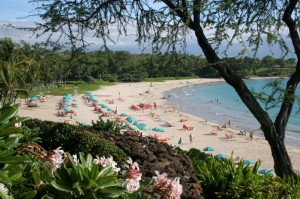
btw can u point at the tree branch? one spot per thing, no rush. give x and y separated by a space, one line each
291 24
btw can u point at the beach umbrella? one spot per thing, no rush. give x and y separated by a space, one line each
103 105
220 156
180 141
83 124
123 115
154 129
110 110
208 148
266 171
161 130
34 98
248 162
67 109
130 119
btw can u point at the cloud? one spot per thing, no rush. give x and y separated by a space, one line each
128 43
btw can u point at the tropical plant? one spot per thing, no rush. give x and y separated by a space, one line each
75 139
225 178
83 179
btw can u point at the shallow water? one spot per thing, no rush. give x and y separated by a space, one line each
219 103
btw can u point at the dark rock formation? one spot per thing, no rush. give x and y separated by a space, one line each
152 155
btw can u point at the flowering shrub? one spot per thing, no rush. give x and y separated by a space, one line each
55 158
132 176
103 173
166 187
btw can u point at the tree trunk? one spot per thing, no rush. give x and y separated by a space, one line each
282 163
274 136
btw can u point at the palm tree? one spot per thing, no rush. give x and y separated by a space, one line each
10 79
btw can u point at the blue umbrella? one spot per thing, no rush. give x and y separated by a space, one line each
208 148
220 156
130 119
248 162
103 105
266 171
34 98
155 129
67 109
123 115
109 109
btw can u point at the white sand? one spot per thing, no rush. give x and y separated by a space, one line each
135 93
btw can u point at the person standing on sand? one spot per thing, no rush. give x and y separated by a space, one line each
191 138
251 135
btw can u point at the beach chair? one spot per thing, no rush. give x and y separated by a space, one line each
189 128
214 133
229 136
168 124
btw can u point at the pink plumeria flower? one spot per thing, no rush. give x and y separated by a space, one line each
176 190
133 171
132 176
55 158
165 187
131 185
104 162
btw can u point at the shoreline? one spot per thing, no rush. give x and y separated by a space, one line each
143 92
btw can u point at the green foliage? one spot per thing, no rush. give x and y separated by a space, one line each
275 96
225 178
108 126
74 139
85 180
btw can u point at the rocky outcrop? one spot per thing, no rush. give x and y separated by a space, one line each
152 155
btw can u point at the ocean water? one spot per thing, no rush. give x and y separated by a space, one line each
219 103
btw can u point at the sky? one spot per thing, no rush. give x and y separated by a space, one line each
15 12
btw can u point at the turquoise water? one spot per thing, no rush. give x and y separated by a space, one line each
219 103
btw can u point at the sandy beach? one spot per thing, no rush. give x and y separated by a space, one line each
205 133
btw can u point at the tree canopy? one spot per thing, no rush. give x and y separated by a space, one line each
171 22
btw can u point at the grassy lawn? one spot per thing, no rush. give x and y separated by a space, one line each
162 79
82 87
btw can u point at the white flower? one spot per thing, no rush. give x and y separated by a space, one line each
131 185
176 189
4 189
166 187
55 158
104 162
75 158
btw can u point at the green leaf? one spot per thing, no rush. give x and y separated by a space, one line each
7 113
106 182
16 176
4 178
15 160
9 131
112 192
6 153
29 194
106 171
61 187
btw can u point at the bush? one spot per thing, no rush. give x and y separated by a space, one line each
109 126
75 139
225 178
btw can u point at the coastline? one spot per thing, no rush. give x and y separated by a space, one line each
142 92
